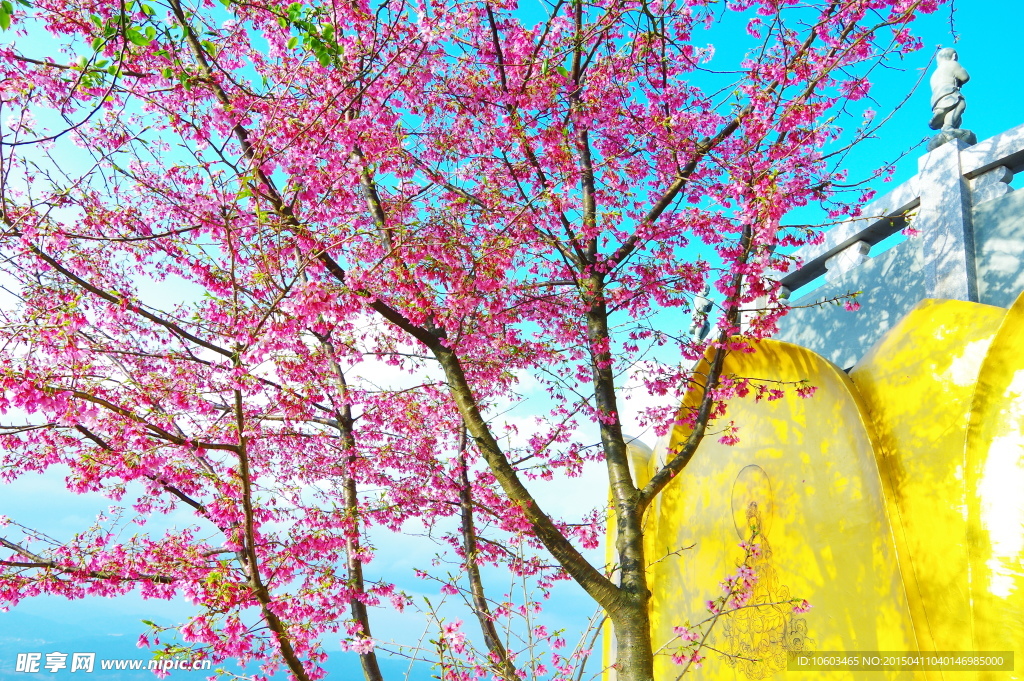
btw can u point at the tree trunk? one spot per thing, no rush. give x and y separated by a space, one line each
634 656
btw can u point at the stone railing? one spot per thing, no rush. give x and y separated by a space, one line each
970 246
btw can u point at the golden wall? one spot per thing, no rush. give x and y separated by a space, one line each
892 500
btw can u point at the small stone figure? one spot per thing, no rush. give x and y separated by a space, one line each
948 102
700 327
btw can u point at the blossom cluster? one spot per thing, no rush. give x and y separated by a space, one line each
280 275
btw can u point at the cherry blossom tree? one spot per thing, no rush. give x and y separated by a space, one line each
281 268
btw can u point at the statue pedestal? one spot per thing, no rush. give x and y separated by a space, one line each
947 134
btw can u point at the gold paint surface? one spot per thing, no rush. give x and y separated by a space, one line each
804 471
893 502
918 382
995 495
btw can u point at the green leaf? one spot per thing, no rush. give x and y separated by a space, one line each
323 58
150 33
562 71
166 72
97 43
5 19
136 37
292 42
148 10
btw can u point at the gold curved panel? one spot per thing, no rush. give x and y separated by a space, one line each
995 496
917 383
804 470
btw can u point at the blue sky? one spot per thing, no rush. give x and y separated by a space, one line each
985 32
995 98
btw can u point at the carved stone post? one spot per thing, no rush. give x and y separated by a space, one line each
946 227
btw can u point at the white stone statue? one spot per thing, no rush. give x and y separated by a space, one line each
948 103
702 304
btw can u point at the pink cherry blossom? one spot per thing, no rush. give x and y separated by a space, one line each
287 276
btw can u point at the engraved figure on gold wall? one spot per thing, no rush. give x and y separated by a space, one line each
759 637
